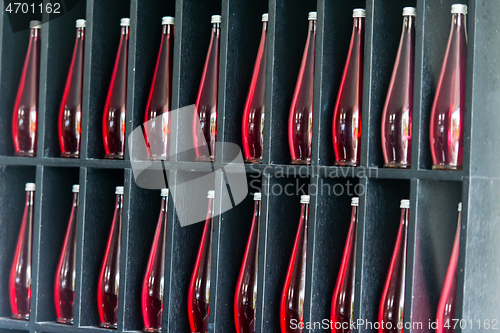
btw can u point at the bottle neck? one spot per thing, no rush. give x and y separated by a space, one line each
359 23
119 201
124 30
35 32
458 20
354 213
30 198
405 213
164 204
264 26
312 26
75 198
80 33
167 29
408 22
256 208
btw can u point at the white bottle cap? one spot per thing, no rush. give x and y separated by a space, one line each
211 194
167 20
35 24
265 17
216 19
164 192
81 23
125 22
76 188
30 187
257 196
460 207
355 201
409 11
312 16
458 9
405 203
358 12
119 190
304 199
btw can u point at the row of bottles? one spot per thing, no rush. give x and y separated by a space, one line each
446 123
291 309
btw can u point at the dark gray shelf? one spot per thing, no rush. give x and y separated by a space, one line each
433 194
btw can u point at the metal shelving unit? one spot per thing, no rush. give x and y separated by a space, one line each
434 194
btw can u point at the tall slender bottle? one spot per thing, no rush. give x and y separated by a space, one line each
392 303
205 112
398 107
157 116
199 287
20 271
301 110
109 278
343 294
152 286
25 114
347 114
292 297
448 301
245 297
446 132
252 128
70 112
113 120
64 284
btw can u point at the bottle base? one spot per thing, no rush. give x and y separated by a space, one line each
253 160
113 156
25 153
108 325
301 162
158 157
397 166
21 317
447 167
66 321
204 159
152 329
346 164
70 155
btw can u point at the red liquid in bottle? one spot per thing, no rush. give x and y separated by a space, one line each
343 295
152 286
245 297
301 110
113 121
392 303
20 272
157 116
292 297
252 127
199 287
64 284
109 278
446 132
70 113
448 301
25 114
347 115
398 107
205 112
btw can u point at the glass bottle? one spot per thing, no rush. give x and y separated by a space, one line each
199 287
446 132
157 116
245 297
347 114
343 294
152 286
70 112
392 302
113 120
25 114
20 271
64 284
252 128
398 107
301 110
292 297
109 277
205 112
448 300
